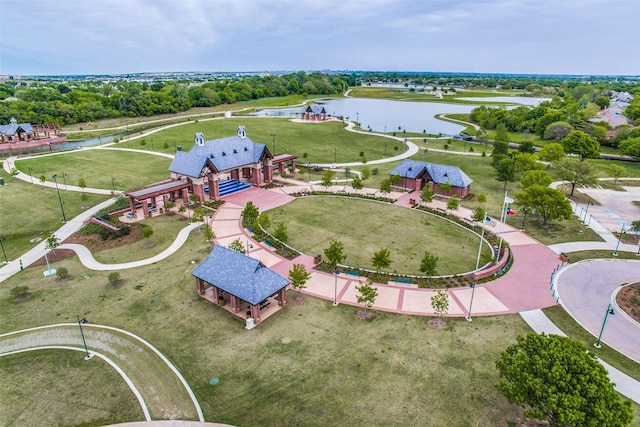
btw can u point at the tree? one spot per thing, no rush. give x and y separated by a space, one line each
385 186
82 184
502 135
298 277
238 246
500 151
395 179
602 102
635 226
281 232
616 171
334 254
551 152
440 303
381 259
482 198
356 183
114 279
198 214
630 147
445 187
535 177
525 162
506 171
453 204
52 242
366 295
249 214
558 380
427 194
545 201
62 273
527 147
147 232
428 265
575 172
479 215
208 233
43 179
580 143
366 173
327 177
557 130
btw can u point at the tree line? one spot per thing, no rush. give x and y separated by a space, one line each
83 101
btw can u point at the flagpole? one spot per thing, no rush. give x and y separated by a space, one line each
503 218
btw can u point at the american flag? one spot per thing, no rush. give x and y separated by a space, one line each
489 221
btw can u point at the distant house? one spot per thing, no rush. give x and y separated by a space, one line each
613 116
313 112
25 132
415 175
241 284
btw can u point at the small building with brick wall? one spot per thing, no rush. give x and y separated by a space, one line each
415 175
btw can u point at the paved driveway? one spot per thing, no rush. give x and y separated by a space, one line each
586 288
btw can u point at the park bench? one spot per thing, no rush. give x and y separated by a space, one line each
404 280
353 272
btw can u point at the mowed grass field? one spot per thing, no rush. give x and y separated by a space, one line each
29 211
130 170
318 139
310 364
365 227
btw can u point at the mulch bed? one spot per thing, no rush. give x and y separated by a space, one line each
628 299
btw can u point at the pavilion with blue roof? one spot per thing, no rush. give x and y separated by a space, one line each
223 166
415 175
244 283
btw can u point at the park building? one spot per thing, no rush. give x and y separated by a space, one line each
415 175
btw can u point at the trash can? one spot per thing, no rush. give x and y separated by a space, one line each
1 181
564 257
179 148
317 259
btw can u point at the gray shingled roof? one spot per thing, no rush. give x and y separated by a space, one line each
240 275
438 173
225 153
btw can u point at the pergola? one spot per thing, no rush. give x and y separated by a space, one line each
169 190
241 284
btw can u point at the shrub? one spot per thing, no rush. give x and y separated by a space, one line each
114 278
62 273
375 171
446 146
143 142
166 145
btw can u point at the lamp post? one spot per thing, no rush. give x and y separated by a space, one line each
473 284
84 343
273 143
503 218
586 211
385 144
113 184
604 322
358 120
615 253
2 239
55 178
335 287
30 173
334 156
64 179
249 246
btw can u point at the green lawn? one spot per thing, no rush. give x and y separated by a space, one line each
61 388
97 167
364 227
165 229
318 140
310 364
404 94
582 255
29 212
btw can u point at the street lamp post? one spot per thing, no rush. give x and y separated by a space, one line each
64 179
615 253
604 322
334 156
273 143
385 144
587 211
335 288
2 239
113 184
358 120
473 284
84 342
503 218
249 246
30 174
55 178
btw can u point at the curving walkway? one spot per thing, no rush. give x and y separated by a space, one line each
161 390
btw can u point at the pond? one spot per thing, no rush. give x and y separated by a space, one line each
393 116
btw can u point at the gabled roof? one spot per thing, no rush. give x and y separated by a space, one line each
240 275
225 153
438 173
13 128
315 109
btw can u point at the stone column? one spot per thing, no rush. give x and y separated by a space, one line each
282 297
255 313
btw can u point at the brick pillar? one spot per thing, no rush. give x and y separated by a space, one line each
185 195
268 171
200 286
198 190
214 190
282 297
132 204
255 313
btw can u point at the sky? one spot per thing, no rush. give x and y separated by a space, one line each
53 37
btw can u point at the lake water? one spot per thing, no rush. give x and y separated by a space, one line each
391 116
523 100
